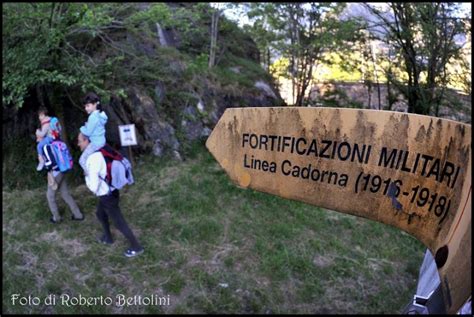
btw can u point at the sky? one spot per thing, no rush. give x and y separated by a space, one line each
354 8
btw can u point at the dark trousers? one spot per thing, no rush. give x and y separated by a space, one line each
109 207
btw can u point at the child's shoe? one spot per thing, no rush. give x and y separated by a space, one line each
40 166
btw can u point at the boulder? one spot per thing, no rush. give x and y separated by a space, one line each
191 123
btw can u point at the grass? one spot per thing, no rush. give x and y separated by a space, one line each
209 245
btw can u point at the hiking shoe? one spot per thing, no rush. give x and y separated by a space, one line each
131 253
52 220
105 240
40 166
78 219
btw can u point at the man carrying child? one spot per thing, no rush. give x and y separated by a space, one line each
56 179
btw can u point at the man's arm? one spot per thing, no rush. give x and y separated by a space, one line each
94 165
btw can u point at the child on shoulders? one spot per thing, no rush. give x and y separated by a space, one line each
94 128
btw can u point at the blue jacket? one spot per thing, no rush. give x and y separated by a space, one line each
95 127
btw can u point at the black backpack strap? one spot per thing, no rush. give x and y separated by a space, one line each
109 185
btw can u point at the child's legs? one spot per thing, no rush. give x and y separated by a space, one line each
41 144
88 151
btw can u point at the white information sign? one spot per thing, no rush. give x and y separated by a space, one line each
127 135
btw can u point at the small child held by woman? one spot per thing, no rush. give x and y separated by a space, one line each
43 135
94 128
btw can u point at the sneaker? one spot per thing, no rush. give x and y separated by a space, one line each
78 219
104 240
53 220
131 253
40 166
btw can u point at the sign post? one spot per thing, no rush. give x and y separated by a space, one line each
128 138
409 171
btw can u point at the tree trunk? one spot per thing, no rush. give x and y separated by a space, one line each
378 94
414 101
369 91
376 76
293 81
294 53
304 80
419 101
410 90
214 25
268 59
40 95
378 86
390 100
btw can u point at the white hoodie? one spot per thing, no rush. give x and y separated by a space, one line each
96 172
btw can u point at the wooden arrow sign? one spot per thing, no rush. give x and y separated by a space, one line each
409 171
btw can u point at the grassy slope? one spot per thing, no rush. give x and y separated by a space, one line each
210 246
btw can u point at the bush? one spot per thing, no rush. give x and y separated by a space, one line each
20 159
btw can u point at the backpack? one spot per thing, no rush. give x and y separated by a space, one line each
55 128
119 169
49 158
57 157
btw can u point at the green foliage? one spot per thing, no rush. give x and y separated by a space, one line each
80 47
301 33
424 39
198 65
19 165
191 22
56 45
19 161
157 12
232 41
231 80
93 17
240 71
38 50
